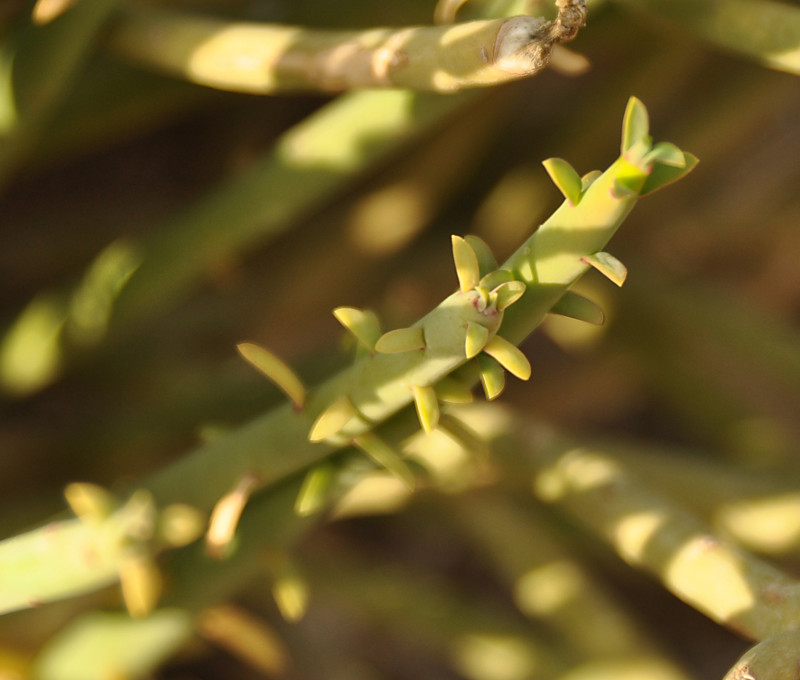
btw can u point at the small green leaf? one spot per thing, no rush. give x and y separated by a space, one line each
363 324
609 266
276 370
467 268
427 407
90 502
667 174
289 589
667 154
635 124
385 456
315 491
507 294
486 260
509 356
225 517
453 391
578 307
141 584
588 179
496 278
565 178
493 377
477 337
401 340
332 419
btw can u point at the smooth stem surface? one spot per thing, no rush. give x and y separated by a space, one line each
277 444
727 584
271 58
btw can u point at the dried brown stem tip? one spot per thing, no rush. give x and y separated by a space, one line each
524 44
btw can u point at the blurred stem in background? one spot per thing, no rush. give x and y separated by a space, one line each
119 369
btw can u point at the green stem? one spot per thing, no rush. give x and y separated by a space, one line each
271 58
132 281
727 584
379 385
776 658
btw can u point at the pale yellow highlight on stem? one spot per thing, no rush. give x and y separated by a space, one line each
788 61
704 571
44 11
630 668
240 55
577 473
389 218
769 524
317 148
495 657
633 533
376 493
548 588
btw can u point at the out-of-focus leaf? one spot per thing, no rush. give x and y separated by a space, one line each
766 31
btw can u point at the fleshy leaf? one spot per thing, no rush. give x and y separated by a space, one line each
667 154
565 178
332 419
385 456
609 266
315 490
509 356
486 261
476 339
635 124
667 174
493 377
467 268
427 407
507 294
275 369
90 502
289 589
401 340
141 584
588 179
578 307
496 278
363 324
225 516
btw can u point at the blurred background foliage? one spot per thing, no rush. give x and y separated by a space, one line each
112 172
